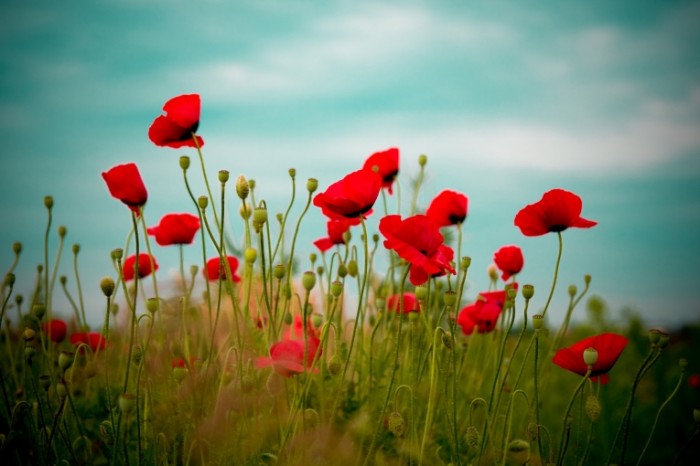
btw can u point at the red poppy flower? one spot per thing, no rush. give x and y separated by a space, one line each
350 197
145 268
556 211
417 240
177 127
409 303
93 339
694 381
609 347
336 232
216 270
296 330
124 183
175 229
483 313
387 163
448 208
56 330
509 260
287 356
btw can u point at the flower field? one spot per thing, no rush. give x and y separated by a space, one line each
367 352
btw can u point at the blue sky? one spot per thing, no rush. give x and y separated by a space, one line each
508 100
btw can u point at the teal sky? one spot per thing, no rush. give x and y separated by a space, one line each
507 99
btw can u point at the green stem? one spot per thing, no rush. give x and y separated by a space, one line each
564 426
556 274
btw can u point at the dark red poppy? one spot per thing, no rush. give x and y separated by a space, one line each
387 163
556 211
336 233
56 330
145 267
124 183
609 347
509 260
694 381
287 356
483 313
94 340
409 303
351 197
216 270
448 208
417 240
175 229
177 127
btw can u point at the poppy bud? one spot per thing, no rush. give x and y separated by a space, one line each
184 162
203 202
107 286
126 402
590 356
572 290
447 340
242 187
317 320
518 451
65 359
311 185
48 202
319 270
245 211
465 262
422 160
250 256
288 319
194 269
19 299
352 268
223 176
528 291
654 336
493 272
587 279
251 184
39 310
279 271
342 271
336 288
29 334
292 172
449 297
179 373
334 365
511 292
313 257
9 279
61 389
396 424
62 230
76 248
260 215
152 305
117 254
308 280
17 247
473 438
592 407
63 279
279 217
380 303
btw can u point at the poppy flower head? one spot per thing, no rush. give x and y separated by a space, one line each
56 330
124 183
555 212
694 381
296 330
177 127
387 163
482 315
94 340
287 356
351 197
448 208
409 303
509 260
336 233
175 229
216 270
418 241
609 347
145 266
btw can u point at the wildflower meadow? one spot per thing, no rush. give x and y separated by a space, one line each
367 352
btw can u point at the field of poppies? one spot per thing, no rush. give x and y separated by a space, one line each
366 352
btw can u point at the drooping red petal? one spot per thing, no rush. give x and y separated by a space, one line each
448 208
125 184
387 164
216 270
175 229
555 212
352 196
145 267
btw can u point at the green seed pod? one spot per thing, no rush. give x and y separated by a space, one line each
292 172
590 356
223 176
179 373
336 288
317 320
422 160
117 254
421 292
528 291
75 248
152 305
396 424
242 187
250 255
308 280
537 321
342 271
48 202
572 290
62 230
107 286
587 279
473 438
465 262
592 407
260 215
203 202
61 389
184 162
352 268
65 359
334 365
45 381
518 451
17 247
39 310
279 271
29 352
311 185
29 334
9 279
450 297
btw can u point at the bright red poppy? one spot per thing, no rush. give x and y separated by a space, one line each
417 240
351 197
145 267
509 260
287 356
448 208
387 163
175 229
609 347
482 315
177 127
295 331
336 233
124 183
56 330
94 340
216 270
409 303
556 211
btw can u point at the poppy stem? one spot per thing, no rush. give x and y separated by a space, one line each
431 394
565 428
76 249
556 274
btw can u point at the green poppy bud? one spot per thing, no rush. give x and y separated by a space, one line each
203 202
184 162
48 202
279 271
223 176
528 291
250 255
107 286
17 247
242 187
422 160
590 356
311 185
308 280
152 305
336 288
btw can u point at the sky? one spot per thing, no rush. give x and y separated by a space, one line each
507 100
